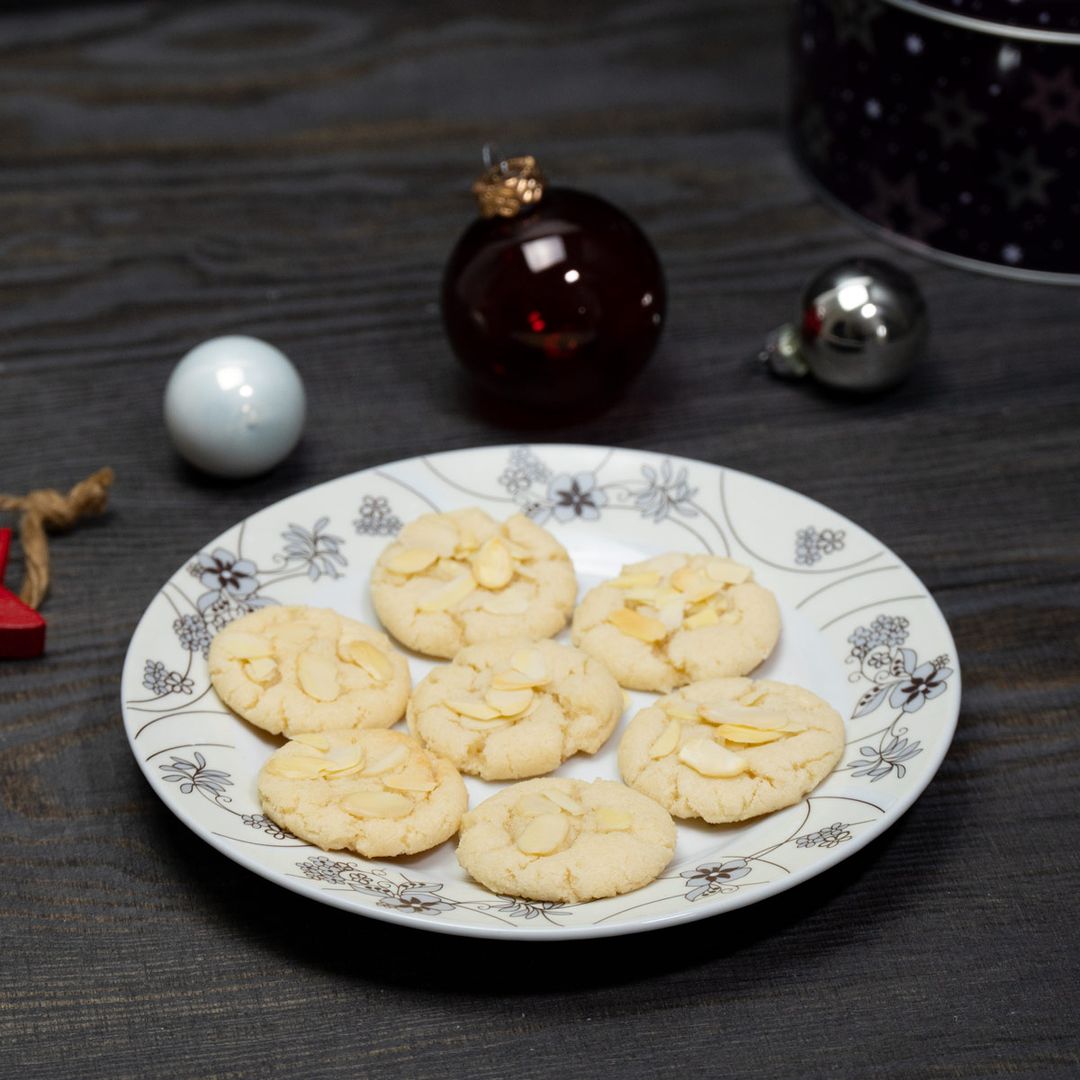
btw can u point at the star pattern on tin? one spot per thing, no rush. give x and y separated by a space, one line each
1022 178
1056 100
897 207
954 119
853 20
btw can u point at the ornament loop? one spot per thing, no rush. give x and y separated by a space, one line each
509 186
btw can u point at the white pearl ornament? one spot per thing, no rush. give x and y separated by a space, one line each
234 406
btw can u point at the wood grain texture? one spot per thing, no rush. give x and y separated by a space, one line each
299 171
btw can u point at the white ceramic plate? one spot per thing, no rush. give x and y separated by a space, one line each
859 629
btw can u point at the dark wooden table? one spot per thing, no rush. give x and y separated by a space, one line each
298 171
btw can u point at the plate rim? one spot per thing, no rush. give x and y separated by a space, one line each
305 887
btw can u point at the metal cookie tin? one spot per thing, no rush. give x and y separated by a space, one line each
952 126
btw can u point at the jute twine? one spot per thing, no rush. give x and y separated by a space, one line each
50 510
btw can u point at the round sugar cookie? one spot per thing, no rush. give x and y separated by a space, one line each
676 619
504 710
375 792
566 840
455 579
731 749
295 669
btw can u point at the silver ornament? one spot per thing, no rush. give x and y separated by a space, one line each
862 326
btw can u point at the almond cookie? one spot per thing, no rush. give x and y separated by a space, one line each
504 710
676 619
295 669
566 840
455 579
730 749
374 792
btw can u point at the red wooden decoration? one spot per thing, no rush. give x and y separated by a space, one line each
22 629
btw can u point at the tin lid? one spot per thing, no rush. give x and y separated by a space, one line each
1045 20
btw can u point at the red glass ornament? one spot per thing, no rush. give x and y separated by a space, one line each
560 304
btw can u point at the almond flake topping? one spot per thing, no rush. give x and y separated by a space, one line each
637 625
712 760
667 742
492 565
367 657
446 596
543 834
317 676
612 819
377 804
412 561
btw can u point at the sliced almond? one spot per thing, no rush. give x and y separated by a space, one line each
711 759
543 834
377 804
238 645
312 739
509 702
706 617
694 586
367 657
468 541
612 819
392 759
263 671
565 802
412 561
446 596
683 710
643 594
732 617
667 742
752 697
671 614
483 726
531 662
296 766
531 805
635 580
492 565
317 676
418 777
504 604
438 534
730 712
345 762
637 625
727 571
747 736
475 710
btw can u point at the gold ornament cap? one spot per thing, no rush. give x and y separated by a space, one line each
509 187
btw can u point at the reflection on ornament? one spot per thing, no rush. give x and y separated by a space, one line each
554 297
862 326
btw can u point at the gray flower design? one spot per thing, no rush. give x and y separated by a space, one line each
195 776
264 824
886 630
714 878
162 682
827 837
530 909
421 899
230 579
523 469
879 761
665 491
924 683
317 550
376 517
811 545
575 496
193 633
